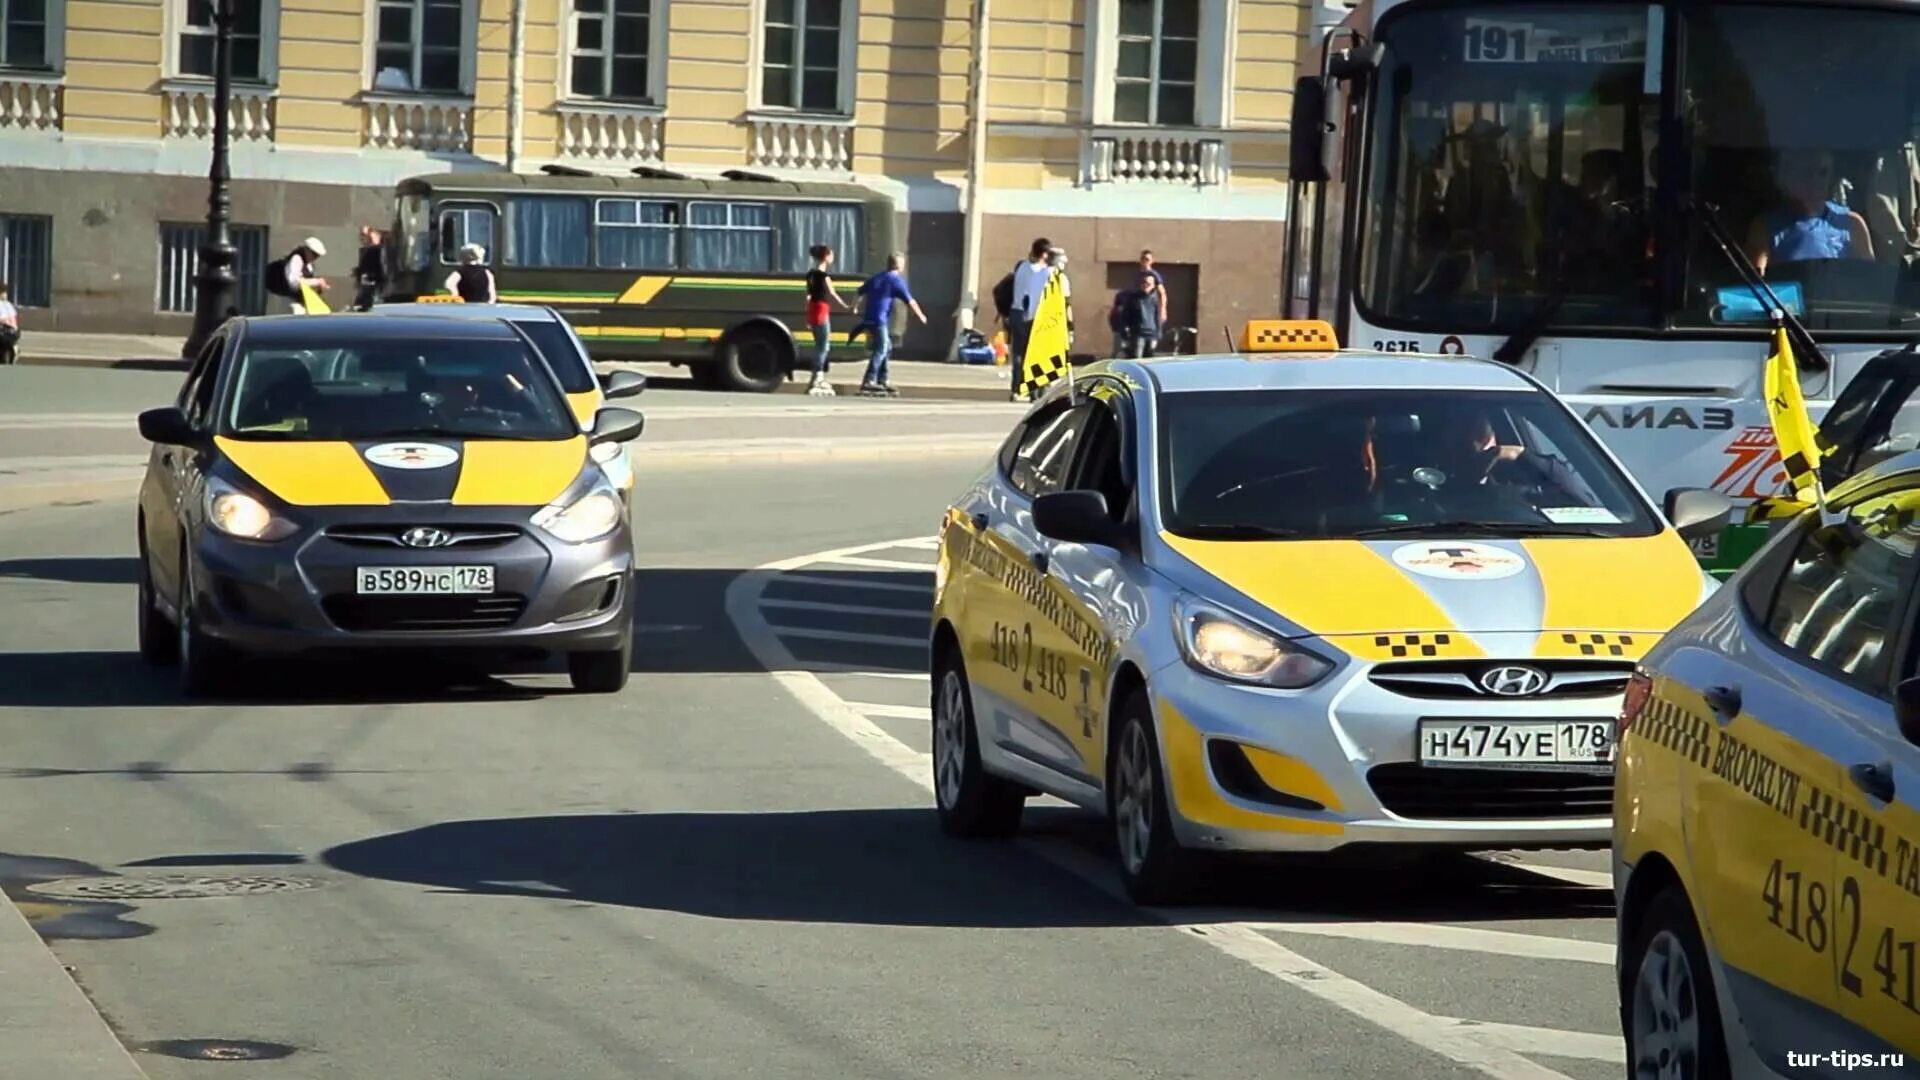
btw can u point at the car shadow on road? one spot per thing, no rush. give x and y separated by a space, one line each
887 867
78 570
104 679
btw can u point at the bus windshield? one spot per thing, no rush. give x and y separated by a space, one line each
1516 164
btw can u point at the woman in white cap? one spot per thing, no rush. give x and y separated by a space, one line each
471 281
295 270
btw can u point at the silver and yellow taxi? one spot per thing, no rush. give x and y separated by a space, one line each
1767 850
1295 601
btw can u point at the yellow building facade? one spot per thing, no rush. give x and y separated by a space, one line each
1109 126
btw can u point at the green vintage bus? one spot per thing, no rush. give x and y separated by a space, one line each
710 274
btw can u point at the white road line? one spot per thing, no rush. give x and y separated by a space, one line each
847 609
883 564
1443 936
1572 875
851 637
1456 1040
1523 1039
828 667
925 543
855 583
891 712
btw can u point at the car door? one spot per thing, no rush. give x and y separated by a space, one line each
1103 587
170 470
1777 820
1015 647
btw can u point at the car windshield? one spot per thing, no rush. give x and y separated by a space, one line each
456 388
563 356
1517 168
1351 463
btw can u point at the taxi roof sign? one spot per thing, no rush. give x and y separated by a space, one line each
1288 335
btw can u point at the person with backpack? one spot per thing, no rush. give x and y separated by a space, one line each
284 276
471 281
1029 281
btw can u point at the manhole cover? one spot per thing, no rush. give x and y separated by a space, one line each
169 887
219 1049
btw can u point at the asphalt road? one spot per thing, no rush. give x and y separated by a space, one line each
722 872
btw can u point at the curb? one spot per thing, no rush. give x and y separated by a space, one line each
149 364
48 1026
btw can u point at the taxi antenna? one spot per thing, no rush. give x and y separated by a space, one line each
1227 332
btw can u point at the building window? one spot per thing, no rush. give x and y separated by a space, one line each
196 40
612 43
180 262
1159 47
630 234
26 258
417 46
729 236
800 64
26 39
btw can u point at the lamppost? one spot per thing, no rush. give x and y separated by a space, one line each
214 282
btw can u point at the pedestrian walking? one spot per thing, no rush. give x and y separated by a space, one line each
1029 281
880 292
1159 281
285 276
471 281
370 275
821 293
9 326
1136 317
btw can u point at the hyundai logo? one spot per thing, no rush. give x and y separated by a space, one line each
426 537
1513 681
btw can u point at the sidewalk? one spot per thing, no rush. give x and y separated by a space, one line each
914 378
48 1028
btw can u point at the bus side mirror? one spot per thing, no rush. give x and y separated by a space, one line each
1353 63
1308 134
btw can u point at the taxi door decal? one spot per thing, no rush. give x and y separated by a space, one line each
1876 950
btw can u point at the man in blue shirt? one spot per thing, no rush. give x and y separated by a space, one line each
880 291
1136 317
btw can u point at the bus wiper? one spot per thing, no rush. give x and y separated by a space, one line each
1806 349
1235 531
1511 350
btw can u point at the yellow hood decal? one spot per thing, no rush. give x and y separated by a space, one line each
1327 586
1586 582
508 473
584 405
307 473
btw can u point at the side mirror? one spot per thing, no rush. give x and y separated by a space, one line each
1308 132
622 384
168 427
1698 512
616 426
1353 63
1075 517
1906 709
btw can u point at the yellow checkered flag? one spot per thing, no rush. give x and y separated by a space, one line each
1046 359
1793 428
310 301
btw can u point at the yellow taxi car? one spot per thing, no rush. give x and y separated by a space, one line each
1767 846
1299 601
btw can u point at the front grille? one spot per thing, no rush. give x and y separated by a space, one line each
1458 679
462 536
372 613
1411 790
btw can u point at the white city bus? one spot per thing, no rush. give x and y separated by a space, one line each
1543 183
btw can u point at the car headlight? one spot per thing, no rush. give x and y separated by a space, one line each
1225 646
589 517
240 515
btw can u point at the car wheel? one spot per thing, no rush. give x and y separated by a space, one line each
1669 1010
1155 869
972 802
158 646
203 662
603 672
755 361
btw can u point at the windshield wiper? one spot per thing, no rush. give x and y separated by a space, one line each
1228 531
1808 351
1513 529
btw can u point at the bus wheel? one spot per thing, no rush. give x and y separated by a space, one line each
754 360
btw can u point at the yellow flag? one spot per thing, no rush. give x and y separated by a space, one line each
1046 357
1793 428
310 300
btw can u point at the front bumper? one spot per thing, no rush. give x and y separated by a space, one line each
1261 770
299 594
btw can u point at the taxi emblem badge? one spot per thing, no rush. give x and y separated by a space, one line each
426 537
412 455
1514 680
1459 561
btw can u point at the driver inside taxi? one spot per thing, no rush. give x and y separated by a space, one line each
1471 453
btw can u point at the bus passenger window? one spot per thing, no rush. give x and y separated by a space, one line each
547 230
802 225
729 236
631 234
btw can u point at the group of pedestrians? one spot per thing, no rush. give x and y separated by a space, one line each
878 295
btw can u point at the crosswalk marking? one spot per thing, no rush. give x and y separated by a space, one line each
893 712
845 609
851 637
1443 936
844 583
883 564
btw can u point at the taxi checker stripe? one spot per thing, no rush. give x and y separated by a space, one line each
1845 829
1798 467
1291 335
1676 729
1410 642
1615 644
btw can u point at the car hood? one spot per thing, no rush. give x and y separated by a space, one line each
376 472
1554 588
